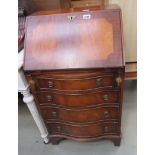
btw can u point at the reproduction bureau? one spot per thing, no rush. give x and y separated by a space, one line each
75 67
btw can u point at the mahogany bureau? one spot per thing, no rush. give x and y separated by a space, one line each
75 67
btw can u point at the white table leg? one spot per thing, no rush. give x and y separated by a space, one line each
29 100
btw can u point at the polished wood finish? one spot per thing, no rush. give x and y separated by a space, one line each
84 131
79 99
80 115
73 46
77 78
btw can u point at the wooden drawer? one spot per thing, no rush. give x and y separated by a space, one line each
74 81
80 115
88 130
79 100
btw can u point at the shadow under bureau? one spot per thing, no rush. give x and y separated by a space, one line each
75 67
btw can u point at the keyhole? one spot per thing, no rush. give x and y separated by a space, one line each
71 17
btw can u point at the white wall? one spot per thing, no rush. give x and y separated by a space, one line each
129 12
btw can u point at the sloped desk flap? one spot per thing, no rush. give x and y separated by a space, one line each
74 40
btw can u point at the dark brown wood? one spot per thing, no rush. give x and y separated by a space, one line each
80 115
65 4
56 140
85 114
79 101
75 81
32 6
84 131
116 141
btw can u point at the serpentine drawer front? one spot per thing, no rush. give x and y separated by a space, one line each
75 69
80 115
79 99
76 81
84 131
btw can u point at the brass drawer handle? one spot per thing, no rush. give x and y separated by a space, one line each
98 81
50 84
49 98
71 17
105 97
106 129
54 114
106 114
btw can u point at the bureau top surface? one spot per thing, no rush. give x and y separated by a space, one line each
74 40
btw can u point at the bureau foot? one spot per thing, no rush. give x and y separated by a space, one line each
116 141
56 140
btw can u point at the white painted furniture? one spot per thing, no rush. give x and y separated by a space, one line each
23 87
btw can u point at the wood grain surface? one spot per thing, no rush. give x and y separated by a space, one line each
56 42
